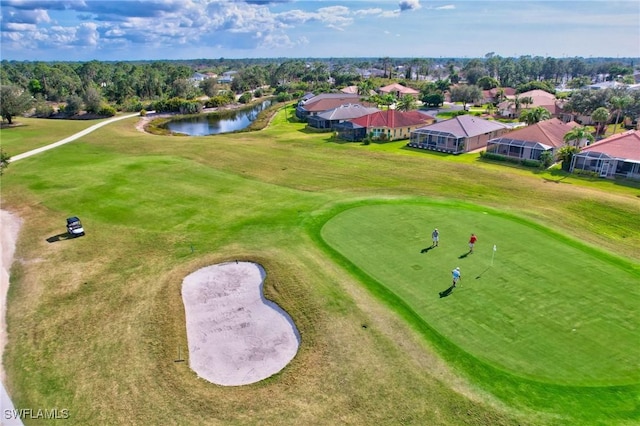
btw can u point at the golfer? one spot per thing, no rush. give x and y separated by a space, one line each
456 276
472 242
435 236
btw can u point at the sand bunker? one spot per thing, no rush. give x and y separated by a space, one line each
235 335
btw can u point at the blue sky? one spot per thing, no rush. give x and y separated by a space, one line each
82 30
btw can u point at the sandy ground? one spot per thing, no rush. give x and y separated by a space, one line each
9 228
235 335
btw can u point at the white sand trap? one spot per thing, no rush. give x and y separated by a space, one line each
235 335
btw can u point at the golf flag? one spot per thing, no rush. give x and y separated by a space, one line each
495 248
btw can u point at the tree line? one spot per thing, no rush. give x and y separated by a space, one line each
103 87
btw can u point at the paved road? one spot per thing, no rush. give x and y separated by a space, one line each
70 138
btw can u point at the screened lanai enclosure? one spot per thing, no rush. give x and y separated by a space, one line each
514 148
605 165
436 141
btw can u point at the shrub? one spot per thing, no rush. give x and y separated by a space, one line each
530 163
44 110
283 97
245 98
107 110
143 112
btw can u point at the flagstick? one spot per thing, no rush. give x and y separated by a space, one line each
493 254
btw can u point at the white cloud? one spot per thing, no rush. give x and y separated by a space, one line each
373 11
445 7
87 34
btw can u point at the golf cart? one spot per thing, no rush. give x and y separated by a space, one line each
74 227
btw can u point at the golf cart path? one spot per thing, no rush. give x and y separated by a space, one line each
70 138
8 238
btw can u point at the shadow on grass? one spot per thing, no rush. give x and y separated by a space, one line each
462 256
60 237
426 249
482 273
446 292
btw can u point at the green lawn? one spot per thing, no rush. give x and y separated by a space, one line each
554 320
95 323
32 133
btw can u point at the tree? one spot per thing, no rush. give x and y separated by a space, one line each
600 116
92 100
365 87
466 95
619 103
578 136
385 63
14 101
565 154
73 105
209 86
535 115
526 101
579 82
4 161
433 99
406 103
487 83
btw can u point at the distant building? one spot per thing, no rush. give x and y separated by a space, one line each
616 156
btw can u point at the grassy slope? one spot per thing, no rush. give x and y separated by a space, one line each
30 133
96 322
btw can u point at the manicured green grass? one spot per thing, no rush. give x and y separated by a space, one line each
95 323
31 133
554 320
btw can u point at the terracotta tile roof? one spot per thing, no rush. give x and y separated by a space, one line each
548 132
350 89
465 126
621 145
395 87
392 118
540 99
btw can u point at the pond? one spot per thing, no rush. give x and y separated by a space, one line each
212 124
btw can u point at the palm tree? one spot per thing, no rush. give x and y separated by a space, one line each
406 103
619 103
600 116
516 102
365 87
578 135
526 101
535 115
385 63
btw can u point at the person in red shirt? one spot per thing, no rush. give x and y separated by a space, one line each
472 242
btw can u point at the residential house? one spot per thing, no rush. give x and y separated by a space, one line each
328 119
528 143
508 108
354 90
615 156
398 90
389 125
492 96
460 134
325 102
227 77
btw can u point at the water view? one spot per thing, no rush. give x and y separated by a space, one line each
211 124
